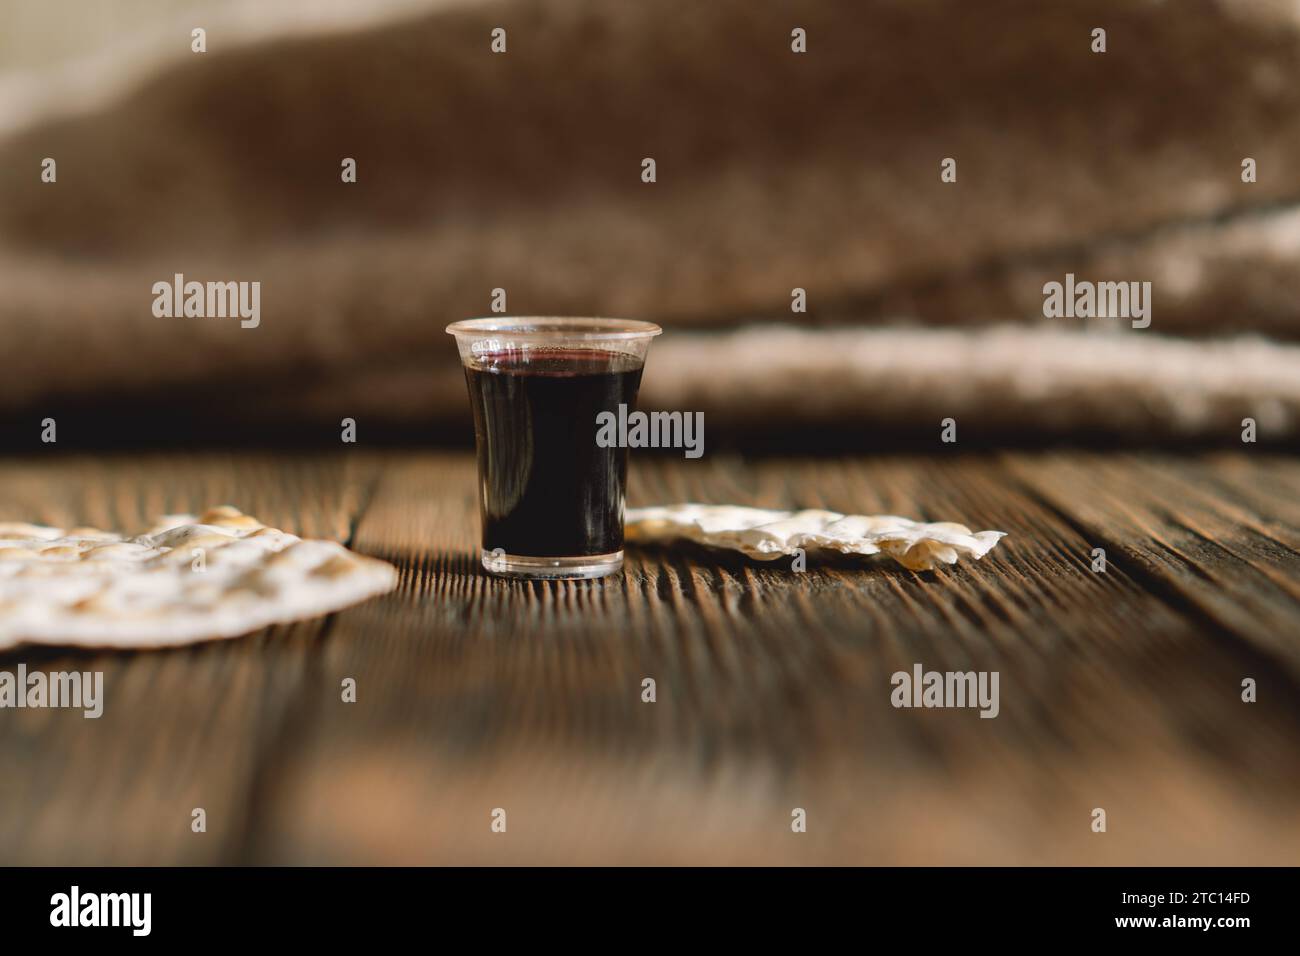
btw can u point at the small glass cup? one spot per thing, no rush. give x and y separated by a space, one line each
550 495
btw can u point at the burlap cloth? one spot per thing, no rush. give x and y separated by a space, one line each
775 170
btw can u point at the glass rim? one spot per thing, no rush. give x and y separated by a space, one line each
543 328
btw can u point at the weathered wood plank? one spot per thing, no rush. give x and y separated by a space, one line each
772 687
1233 557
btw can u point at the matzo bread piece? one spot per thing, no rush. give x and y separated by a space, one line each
767 535
93 588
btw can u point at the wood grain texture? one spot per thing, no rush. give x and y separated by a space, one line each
1118 690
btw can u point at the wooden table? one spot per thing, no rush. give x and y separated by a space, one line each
1119 690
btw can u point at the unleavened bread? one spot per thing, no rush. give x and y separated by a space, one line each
768 535
188 578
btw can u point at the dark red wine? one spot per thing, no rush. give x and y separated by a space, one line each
546 489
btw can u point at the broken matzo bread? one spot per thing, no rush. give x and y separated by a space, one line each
767 535
188 578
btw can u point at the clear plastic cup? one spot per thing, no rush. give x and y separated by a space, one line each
550 496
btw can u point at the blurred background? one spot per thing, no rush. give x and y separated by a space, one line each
776 171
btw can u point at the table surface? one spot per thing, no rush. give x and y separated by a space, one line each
1119 690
